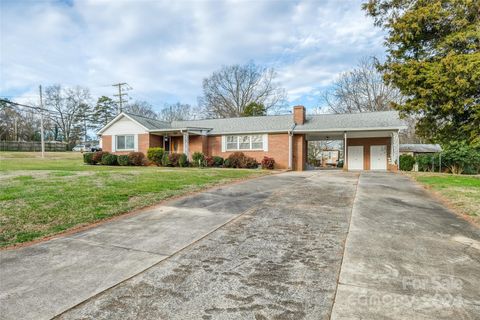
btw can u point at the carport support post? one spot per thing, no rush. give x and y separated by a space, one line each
290 150
185 143
345 150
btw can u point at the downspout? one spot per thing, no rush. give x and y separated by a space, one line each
290 147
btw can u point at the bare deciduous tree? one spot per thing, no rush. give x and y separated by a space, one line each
141 108
176 111
362 90
69 106
228 91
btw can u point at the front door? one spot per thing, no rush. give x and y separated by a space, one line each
378 157
355 158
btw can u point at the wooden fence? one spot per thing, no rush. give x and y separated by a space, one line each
32 146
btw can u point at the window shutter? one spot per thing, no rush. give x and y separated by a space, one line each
224 143
265 142
135 142
114 143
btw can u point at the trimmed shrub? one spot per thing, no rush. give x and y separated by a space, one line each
183 160
215 161
406 162
123 160
249 163
155 155
97 156
109 159
88 158
234 160
209 162
136 158
425 162
198 159
268 163
218 161
166 160
240 160
174 158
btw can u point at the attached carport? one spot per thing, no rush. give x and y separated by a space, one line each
370 140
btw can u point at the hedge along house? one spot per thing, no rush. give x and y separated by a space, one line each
370 139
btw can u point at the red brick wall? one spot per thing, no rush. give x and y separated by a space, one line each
299 152
156 141
366 143
299 114
277 149
107 143
143 143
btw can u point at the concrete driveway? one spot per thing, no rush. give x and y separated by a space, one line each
269 248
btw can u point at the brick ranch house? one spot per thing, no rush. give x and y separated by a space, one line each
370 140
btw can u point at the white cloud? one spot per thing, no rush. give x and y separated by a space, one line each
164 49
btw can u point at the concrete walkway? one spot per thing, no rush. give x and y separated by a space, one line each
45 279
407 256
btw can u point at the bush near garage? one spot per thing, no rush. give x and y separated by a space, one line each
268 163
136 158
123 160
109 159
97 156
406 162
461 157
155 155
88 158
425 162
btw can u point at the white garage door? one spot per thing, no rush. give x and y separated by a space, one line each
355 158
378 157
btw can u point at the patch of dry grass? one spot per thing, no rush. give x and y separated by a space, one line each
462 192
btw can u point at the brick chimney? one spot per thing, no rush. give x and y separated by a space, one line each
299 114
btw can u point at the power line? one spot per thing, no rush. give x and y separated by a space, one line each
121 94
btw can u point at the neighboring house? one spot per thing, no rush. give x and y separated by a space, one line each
416 148
371 138
329 157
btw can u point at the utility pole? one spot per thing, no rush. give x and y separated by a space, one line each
121 94
41 122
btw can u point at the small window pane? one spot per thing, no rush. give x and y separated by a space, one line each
244 143
120 142
232 139
129 142
257 142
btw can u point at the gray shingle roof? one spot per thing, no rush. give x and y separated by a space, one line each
149 123
352 121
420 148
282 123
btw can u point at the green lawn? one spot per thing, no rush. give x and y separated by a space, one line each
462 191
40 197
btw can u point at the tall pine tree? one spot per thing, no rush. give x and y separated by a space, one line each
433 49
104 111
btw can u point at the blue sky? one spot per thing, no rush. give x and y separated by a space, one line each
164 49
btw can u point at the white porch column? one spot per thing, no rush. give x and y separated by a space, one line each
345 150
185 144
395 149
290 150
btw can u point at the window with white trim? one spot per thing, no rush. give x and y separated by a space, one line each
247 142
125 142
